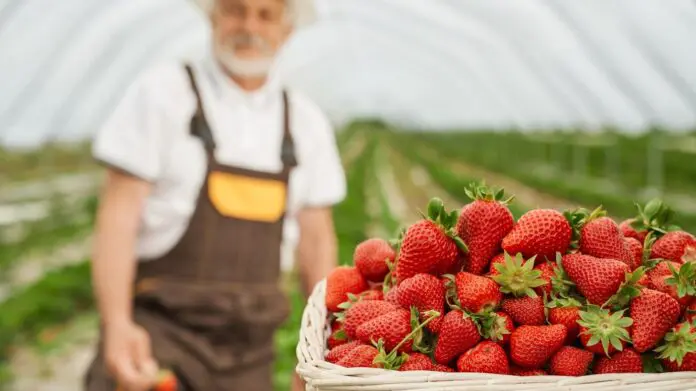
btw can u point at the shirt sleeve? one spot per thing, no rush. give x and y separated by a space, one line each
131 139
326 176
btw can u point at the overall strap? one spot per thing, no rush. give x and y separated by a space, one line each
287 153
199 124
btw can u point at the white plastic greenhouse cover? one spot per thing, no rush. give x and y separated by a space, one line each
423 64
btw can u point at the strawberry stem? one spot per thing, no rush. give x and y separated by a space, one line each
432 315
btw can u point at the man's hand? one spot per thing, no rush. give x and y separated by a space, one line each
317 251
128 356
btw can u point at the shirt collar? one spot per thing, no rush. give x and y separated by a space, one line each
225 87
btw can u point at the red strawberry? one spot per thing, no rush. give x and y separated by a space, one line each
533 346
430 245
498 259
676 246
517 276
338 335
482 225
476 293
498 327
486 357
362 312
457 335
339 283
392 296
397 330
635 248
653 313
597 279
570 361
371 294
625 361
517 371
678 353
525 310
567 313
668 285
372 258
600 237
360 356
690 313
601 330
540 232
337 353
426 293
421 362
548 271
629 232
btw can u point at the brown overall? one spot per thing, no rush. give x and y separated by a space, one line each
212 303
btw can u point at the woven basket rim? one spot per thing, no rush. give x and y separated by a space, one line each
322 375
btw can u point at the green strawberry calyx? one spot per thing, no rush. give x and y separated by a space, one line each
628 290
517 276
654 217
492 326
561 283
577 219
446 220
683 279
678 343
451 292
605 327
478 191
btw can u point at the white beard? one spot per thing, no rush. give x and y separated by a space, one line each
256 67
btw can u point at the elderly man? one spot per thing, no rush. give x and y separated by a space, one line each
207 162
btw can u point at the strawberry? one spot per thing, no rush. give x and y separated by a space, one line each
341 281
497 327
476 293
548 271
338 335
398 330
457 335
360 356
371 294
421 362
600 237
482 225
635 248
392 296
486 357
628 231
596 279
570 361
525 310
675 246
653 313
555 278
565 311
681 285
362 312
517 371
603 332
337 353
426 293
430 245
625 361
372 258
690 313
533 346
498 259
678 353
166 381
540 232
517 276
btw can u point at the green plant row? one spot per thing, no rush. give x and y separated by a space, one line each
454 184
59 227
35 164
616 203
620 158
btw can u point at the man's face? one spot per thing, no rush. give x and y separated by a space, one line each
248 33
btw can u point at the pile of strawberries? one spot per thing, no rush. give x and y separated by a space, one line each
553 293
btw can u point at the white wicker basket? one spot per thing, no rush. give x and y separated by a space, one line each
321 375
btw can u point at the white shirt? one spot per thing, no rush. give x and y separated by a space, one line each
148 136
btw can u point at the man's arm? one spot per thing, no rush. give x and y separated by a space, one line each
114 259
317 250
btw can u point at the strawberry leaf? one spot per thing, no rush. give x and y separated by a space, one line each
678 343
683 279
651 364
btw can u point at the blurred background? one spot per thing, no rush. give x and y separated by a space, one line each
563 103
